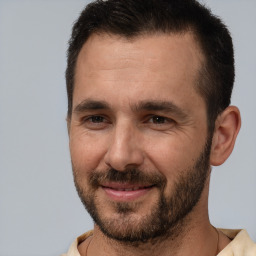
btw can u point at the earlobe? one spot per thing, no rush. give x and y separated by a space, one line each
227 126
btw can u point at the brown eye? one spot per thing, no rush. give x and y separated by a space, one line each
158 120
96 119
95 122
160 123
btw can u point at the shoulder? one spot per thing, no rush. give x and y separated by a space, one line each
73 251
241 244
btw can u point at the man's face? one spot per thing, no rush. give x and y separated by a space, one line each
138 133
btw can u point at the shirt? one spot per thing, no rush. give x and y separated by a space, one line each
241 244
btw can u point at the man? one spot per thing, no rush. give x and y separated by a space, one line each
149 85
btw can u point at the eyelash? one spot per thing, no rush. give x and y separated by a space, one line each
95 117
155 122
161 119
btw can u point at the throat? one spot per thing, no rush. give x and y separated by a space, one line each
185 242
154 247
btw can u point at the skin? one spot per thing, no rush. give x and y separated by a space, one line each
124 75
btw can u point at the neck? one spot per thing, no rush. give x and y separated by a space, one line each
196 239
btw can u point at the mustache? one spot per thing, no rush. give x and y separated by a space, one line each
130 176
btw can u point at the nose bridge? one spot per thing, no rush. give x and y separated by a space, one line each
124 149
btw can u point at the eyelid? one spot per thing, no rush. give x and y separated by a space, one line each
93 116
89 116
168 124
87 123
168 119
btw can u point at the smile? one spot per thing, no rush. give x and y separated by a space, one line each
125 192
128 189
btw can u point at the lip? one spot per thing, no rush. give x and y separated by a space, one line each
125 192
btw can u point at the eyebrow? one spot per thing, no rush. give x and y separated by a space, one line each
148 105
163 106
89 104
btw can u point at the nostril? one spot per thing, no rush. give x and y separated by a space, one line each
123 163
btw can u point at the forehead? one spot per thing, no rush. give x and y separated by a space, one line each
159 48
148 65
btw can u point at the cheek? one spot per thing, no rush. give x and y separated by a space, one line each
172 156
87 151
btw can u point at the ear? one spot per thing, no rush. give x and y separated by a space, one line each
227 126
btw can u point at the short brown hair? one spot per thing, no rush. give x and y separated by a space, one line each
132 18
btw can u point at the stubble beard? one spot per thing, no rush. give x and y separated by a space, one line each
167 215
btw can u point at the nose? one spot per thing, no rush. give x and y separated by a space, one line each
124 150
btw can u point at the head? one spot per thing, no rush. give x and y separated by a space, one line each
148 86
132 18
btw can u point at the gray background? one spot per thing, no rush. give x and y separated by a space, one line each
40 213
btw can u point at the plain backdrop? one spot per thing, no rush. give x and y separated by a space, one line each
40 213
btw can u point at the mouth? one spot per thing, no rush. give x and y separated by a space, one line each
125 192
